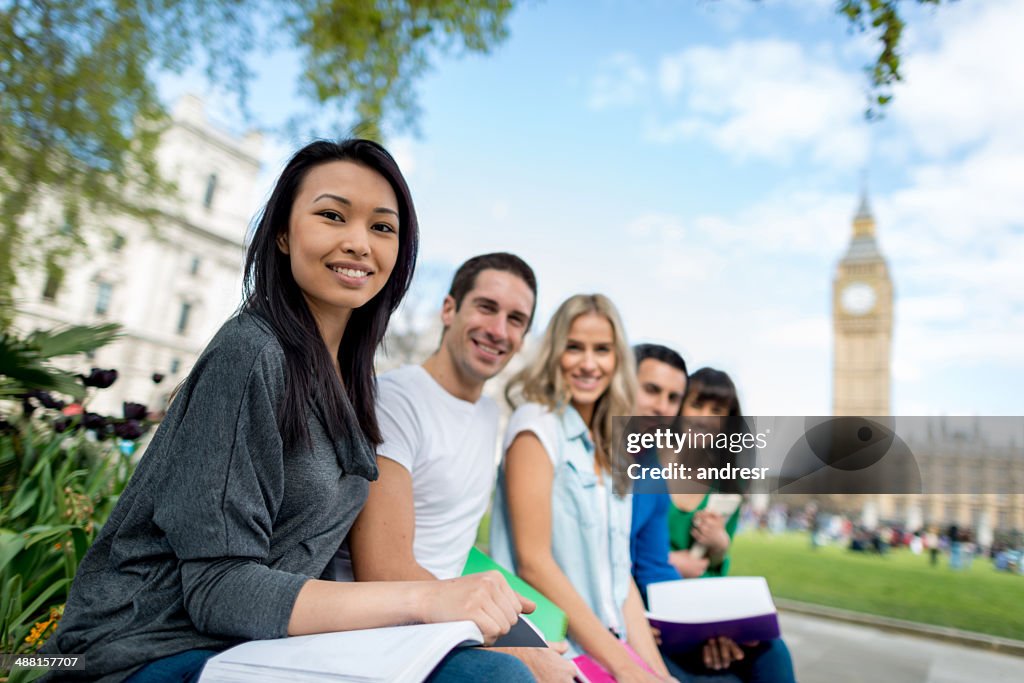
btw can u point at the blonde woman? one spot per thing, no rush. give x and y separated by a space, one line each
560 519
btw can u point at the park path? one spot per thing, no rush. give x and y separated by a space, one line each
827 651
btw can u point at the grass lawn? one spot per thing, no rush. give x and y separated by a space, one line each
899 584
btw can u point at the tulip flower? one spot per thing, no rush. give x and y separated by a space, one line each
101 379
134 411
129 429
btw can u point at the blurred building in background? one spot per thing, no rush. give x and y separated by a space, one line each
172 286
949 456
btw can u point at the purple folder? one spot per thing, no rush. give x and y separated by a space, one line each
690 611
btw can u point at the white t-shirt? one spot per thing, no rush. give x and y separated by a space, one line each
448 446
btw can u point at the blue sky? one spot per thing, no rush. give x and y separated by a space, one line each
700 163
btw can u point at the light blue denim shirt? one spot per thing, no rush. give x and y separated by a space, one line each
578 536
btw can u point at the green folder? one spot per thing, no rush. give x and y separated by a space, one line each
548 617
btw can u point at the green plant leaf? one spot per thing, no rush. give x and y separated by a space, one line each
73 340
33 610
23 368
11 543
23 500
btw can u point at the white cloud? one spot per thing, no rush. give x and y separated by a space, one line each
965 88
403 149
801 333
657 226
764 99
789 222
932 308
621 82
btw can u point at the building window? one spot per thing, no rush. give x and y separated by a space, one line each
175 366
183 316
103 293
211 190
117 242
54 279
193 267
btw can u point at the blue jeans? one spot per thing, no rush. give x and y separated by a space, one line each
183 667
477 664
462 664
768 662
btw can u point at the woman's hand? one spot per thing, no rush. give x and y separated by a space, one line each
721 652
708 529
486 599
688 566
628 671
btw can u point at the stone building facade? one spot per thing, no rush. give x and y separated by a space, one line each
170 286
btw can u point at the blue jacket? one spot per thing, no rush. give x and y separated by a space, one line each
648 537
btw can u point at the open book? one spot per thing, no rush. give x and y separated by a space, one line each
403 654
394 653
690 611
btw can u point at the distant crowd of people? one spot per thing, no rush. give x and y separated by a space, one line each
955 545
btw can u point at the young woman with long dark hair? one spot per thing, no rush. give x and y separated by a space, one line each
265 456
712 404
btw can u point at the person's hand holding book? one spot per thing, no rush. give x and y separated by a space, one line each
709 531
721 652
688 564
486 599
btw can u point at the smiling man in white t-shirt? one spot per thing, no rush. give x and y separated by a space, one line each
437 461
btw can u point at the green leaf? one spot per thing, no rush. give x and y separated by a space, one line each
23 368
73 340
11 543
33 610
24 499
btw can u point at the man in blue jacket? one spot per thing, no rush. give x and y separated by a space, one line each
662 380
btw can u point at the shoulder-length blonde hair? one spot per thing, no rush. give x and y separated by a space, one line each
541 381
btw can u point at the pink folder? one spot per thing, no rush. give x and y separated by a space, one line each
595 673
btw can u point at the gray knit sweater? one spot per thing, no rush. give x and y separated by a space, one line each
219 528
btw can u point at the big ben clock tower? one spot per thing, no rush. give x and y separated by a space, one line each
862 296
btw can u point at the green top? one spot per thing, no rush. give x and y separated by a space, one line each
680 523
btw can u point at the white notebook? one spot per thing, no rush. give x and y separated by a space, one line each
403 654
691 611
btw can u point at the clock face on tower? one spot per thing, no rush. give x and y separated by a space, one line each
857 298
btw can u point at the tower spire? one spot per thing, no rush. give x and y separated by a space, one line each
864 220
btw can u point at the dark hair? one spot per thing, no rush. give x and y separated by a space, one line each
272 293
708 384
659 353
465 276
